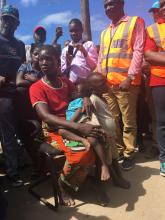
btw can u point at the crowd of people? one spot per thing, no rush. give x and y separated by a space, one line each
88 101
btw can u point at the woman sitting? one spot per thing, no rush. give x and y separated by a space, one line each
50 97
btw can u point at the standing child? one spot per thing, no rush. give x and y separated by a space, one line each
96 85
79 58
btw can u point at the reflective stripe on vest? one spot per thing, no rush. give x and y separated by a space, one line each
117 52
116 69
120 55
157 33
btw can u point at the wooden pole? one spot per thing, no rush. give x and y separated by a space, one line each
2 3
85 14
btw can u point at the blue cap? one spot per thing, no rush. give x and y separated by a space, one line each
155 5
10 10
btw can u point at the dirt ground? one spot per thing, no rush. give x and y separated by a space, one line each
144 201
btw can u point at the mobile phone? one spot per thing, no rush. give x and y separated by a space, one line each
59 32
70 49
59 29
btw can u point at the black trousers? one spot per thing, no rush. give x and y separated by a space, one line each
158 93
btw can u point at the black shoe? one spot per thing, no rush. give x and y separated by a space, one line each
16 181
128 163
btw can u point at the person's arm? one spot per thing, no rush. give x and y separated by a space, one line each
99 69
87 106
21 81
100 57
31 78
20 78
155 58
58 34
77 115
92 56
89 51
66 61
45 115
22 52
152 55
54 41
138 42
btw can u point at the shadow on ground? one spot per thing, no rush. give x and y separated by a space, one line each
22 206
119 197
130 197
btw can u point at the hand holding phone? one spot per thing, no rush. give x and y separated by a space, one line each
69 55
80 47
70 50
59 31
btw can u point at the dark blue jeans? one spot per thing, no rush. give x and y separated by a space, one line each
158 93
8 135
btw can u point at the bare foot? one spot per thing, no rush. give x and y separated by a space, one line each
105 175
86 143
65 198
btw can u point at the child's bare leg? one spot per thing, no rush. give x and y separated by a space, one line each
65 198
74 137
105 174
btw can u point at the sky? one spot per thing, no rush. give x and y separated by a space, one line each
53 13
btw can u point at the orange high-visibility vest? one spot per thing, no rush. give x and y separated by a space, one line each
116 52
157 33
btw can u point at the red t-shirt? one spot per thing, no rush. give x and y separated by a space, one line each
151 45
56 99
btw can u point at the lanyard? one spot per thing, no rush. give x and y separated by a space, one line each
110 42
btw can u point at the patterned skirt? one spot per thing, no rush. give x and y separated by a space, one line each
78 160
